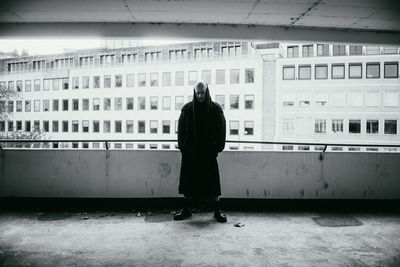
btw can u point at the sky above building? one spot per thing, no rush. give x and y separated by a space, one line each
44 46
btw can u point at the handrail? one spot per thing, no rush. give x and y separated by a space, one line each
174 140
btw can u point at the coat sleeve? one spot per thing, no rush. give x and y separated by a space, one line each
221 130
181 131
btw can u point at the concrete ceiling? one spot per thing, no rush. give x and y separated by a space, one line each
274 17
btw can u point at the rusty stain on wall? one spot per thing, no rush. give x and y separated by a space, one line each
164 169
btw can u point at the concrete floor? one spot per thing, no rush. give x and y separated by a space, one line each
266 239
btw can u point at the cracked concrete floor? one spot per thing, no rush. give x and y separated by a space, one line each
266 239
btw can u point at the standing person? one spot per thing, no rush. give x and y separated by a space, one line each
201 136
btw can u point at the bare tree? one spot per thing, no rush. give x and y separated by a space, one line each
7 94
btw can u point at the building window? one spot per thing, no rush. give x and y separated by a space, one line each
10 106
75 126
154 102
372 126
36 126
118 80
220 77
231 50
292 51
206 76
202 53
46 84
339 50
65 104
129 126
27 105
178 102
85 126
75 82
75 104
287 126
249 75
320 126
391 69
129 103
166 102
130 80
354 126
355 70
249 127
106 126
55 104
179 54
308 50
54 126
152 56
337 71
10 126
142 79
373 50
337 126
107 59
118 126
355 49
179 78
129 58
2 106
142 103
96 103
37 85
166 125
166 146
85 82
154 79
234 102
220 99
85 104
249 101
46 126
166 76
176 126
107 103
321 71
19 106
192 77
65 83
141 146
28 126
304 72
141 126
390 127
288 72
96 81
19 86
304 103
233 127
373 70
65 126
28 85
107 81
234 79
56 84
118 103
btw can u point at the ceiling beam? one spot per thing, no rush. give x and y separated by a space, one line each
197 31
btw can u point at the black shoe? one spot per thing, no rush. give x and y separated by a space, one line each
220 217
183 214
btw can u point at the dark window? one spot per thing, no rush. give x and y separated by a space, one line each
354 126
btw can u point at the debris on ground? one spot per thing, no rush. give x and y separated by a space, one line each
85 218
138 214
239 224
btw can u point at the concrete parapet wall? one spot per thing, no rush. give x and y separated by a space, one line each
131 174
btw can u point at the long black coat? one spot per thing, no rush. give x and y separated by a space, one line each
199 174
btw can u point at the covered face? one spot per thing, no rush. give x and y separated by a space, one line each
200 90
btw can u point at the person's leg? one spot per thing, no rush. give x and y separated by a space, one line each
186 212
218 215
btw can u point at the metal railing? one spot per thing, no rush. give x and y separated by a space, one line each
107 141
